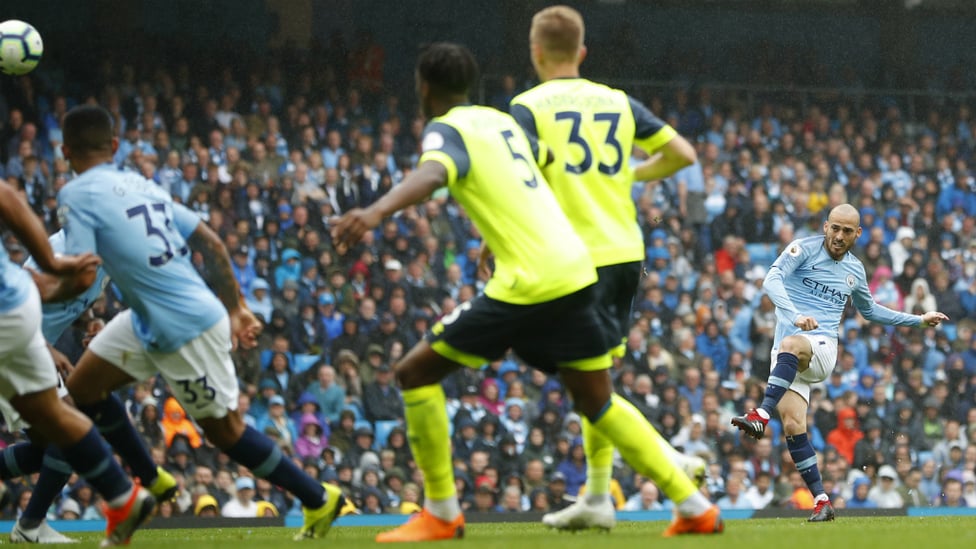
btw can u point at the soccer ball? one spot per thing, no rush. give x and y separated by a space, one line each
20 47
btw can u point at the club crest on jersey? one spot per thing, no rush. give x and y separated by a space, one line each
851 281
794 250
433 141
63 215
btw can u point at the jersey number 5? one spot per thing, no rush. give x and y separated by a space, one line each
152 230
532 182
576 118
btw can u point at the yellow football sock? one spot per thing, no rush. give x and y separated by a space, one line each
427 431
599 460
643 448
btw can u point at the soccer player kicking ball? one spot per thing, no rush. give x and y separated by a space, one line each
810 283
539 302
28 376
591 129
176 326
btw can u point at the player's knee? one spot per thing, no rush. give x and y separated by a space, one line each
795 345
793 425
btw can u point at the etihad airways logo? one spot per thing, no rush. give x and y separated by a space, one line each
825 292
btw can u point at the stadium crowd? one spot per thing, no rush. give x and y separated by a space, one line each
267 158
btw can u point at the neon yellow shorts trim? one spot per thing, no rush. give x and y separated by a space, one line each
445 349
592 364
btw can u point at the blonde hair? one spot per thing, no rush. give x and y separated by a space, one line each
559 31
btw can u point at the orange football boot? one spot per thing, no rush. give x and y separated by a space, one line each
424 526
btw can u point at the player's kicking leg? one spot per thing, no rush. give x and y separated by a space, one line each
794 356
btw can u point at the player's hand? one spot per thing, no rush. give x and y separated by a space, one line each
244 328
484 269
806 323
72 264
933 318
349 229
61 362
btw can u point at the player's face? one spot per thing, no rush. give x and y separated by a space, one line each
840 235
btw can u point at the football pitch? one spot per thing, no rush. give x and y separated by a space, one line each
792 533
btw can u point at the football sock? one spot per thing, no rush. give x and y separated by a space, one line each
599 463
780 380
113 423
643 448
93 460
55 472
424 410
20 459
264 458
805 460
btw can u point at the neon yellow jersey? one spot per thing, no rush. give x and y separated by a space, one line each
591 129
492 173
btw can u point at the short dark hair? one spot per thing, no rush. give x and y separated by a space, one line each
88 129
448 68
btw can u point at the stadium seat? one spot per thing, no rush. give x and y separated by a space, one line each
761 254
303 363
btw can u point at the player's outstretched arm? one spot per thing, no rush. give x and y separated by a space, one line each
427 178
674 155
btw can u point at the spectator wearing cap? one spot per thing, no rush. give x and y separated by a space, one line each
465 437
381 399
557 492
484 495
859 497
243 269
468 405
329 316
206 506
277 422
259 300
70 510
952 432
242 505
468 261
885 494
362 444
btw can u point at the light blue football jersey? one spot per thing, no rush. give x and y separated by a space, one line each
15 283
58 316
141 235
805 281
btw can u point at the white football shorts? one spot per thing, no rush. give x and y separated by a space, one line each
26 365
200 374
822 363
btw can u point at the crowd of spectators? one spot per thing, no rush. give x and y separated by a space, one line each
266 159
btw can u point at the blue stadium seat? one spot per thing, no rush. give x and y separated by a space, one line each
761 254
303 363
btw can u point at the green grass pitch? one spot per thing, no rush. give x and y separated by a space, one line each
856 533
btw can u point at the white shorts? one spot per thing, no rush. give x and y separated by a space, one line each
821 364
200 374
26 365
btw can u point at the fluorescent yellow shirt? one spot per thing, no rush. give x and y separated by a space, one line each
591 129
492 173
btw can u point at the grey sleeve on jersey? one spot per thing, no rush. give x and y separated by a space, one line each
645 123
442 137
